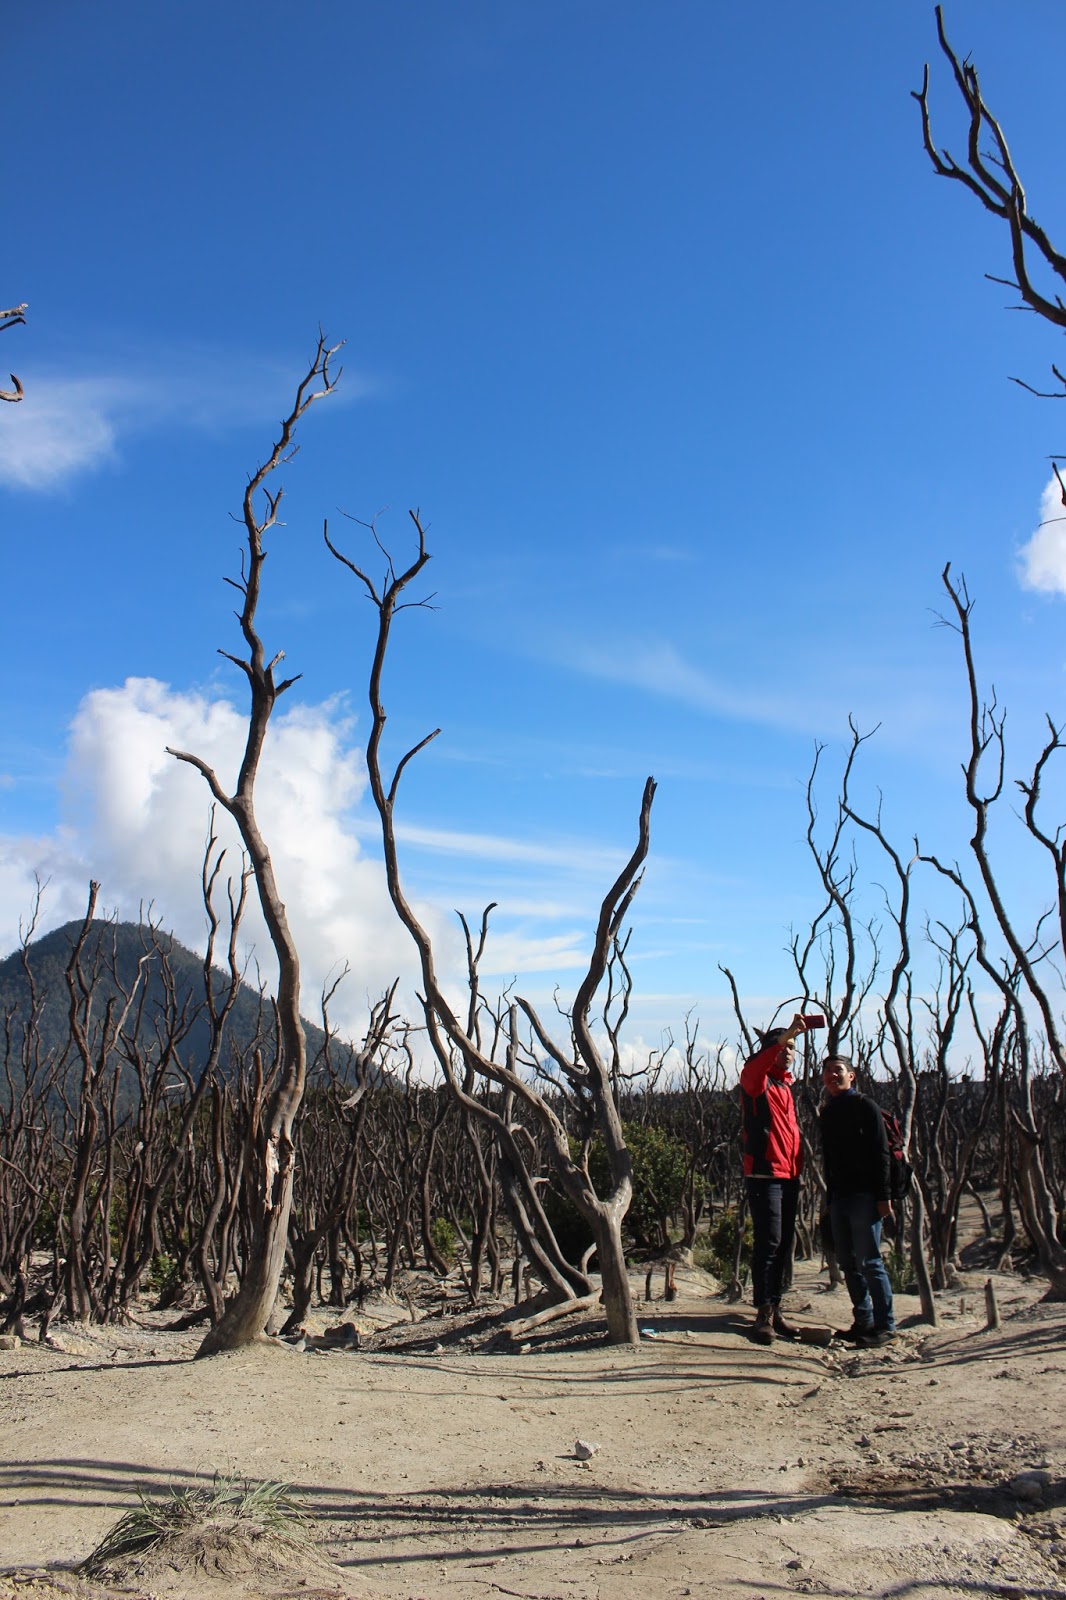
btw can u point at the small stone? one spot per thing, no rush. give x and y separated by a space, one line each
584 1450
1029 1485
9 1341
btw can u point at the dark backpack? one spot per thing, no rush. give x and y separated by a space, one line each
900 1170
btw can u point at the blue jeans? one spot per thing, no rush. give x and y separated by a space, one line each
857 1238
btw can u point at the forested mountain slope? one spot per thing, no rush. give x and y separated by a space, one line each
119 960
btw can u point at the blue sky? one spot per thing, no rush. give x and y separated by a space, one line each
658 314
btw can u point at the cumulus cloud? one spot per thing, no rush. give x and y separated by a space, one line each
1042 559
142 817
136 819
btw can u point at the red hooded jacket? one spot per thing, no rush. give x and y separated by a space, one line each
769 1132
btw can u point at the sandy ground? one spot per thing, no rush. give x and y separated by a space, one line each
447 1471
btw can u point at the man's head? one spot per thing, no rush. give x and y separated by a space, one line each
838 1074
772 1036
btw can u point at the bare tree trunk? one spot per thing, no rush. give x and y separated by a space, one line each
1039 1212
614 1277
270 1171
918 1257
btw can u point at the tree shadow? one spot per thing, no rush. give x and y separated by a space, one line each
362 1528
1005 1343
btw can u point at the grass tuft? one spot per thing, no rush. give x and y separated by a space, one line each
254 1508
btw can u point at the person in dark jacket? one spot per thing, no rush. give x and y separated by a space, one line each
773 1161
858 1179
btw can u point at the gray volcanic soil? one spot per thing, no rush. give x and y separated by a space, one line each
444 1469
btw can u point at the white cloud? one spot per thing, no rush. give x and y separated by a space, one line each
136 819
58 430
514 953
1042 559
145 818
794 694
659 668
69 425
497 847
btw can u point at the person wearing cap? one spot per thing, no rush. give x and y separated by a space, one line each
773 1161
858 1184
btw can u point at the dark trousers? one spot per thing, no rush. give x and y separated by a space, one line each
773 1203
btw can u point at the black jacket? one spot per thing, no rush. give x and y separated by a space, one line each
855 1147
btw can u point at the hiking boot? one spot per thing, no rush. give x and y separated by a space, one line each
783 1329
763 1331
877 1337
856 1334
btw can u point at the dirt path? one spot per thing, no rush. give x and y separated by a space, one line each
723 1469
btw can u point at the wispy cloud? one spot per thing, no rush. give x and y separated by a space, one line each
61 428
659 668
796 696
68 425
512 953
1042 559
572 856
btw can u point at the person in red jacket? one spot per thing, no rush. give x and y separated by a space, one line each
773 1161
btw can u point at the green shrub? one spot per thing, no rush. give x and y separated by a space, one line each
900 1270
162 1275
716 1250
660 1169
445 1239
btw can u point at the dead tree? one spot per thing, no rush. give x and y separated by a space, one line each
94 1046
991 177
1033 1195
987 748
9 319
579 1069
269 1155
31 1074
325 1183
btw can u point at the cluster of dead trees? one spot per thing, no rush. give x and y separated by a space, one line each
128 1166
